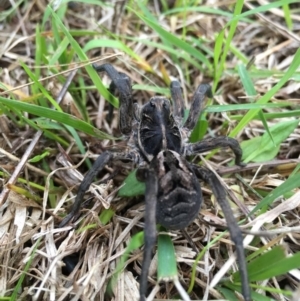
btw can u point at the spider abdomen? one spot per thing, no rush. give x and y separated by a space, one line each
179 208
179 193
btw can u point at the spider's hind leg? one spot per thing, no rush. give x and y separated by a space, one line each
102 160
212 143
235 233
177 98
151 181
99 164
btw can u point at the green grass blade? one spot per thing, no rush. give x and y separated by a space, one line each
17 288
254 295
272 264
61 117
265 98
250 91
135 243
106 216
288 186
180 54
260 263
175 41
167 266
220 52
260 9
82 56
44 91
98 43
261 149
132 187
287 16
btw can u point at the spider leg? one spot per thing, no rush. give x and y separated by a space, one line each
122 83
150 179
212 143
99 164
197 105
177 98
234 230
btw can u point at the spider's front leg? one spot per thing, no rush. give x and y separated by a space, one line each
203 91
150 178
122 83
177 99
235 232
99 164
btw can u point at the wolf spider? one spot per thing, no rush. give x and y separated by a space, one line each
158 145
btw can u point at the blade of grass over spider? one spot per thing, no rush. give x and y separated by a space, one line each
135 243
250 91
261 149
265 98
82 56
61 117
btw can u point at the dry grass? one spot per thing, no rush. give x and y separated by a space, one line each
40 192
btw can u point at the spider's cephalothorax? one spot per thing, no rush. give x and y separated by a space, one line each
157 144
157 128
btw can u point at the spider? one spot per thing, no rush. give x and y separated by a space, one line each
158 144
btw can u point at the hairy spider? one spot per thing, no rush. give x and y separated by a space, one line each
158 144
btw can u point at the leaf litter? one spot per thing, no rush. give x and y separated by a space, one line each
24 221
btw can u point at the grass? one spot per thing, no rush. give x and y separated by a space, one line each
249 54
